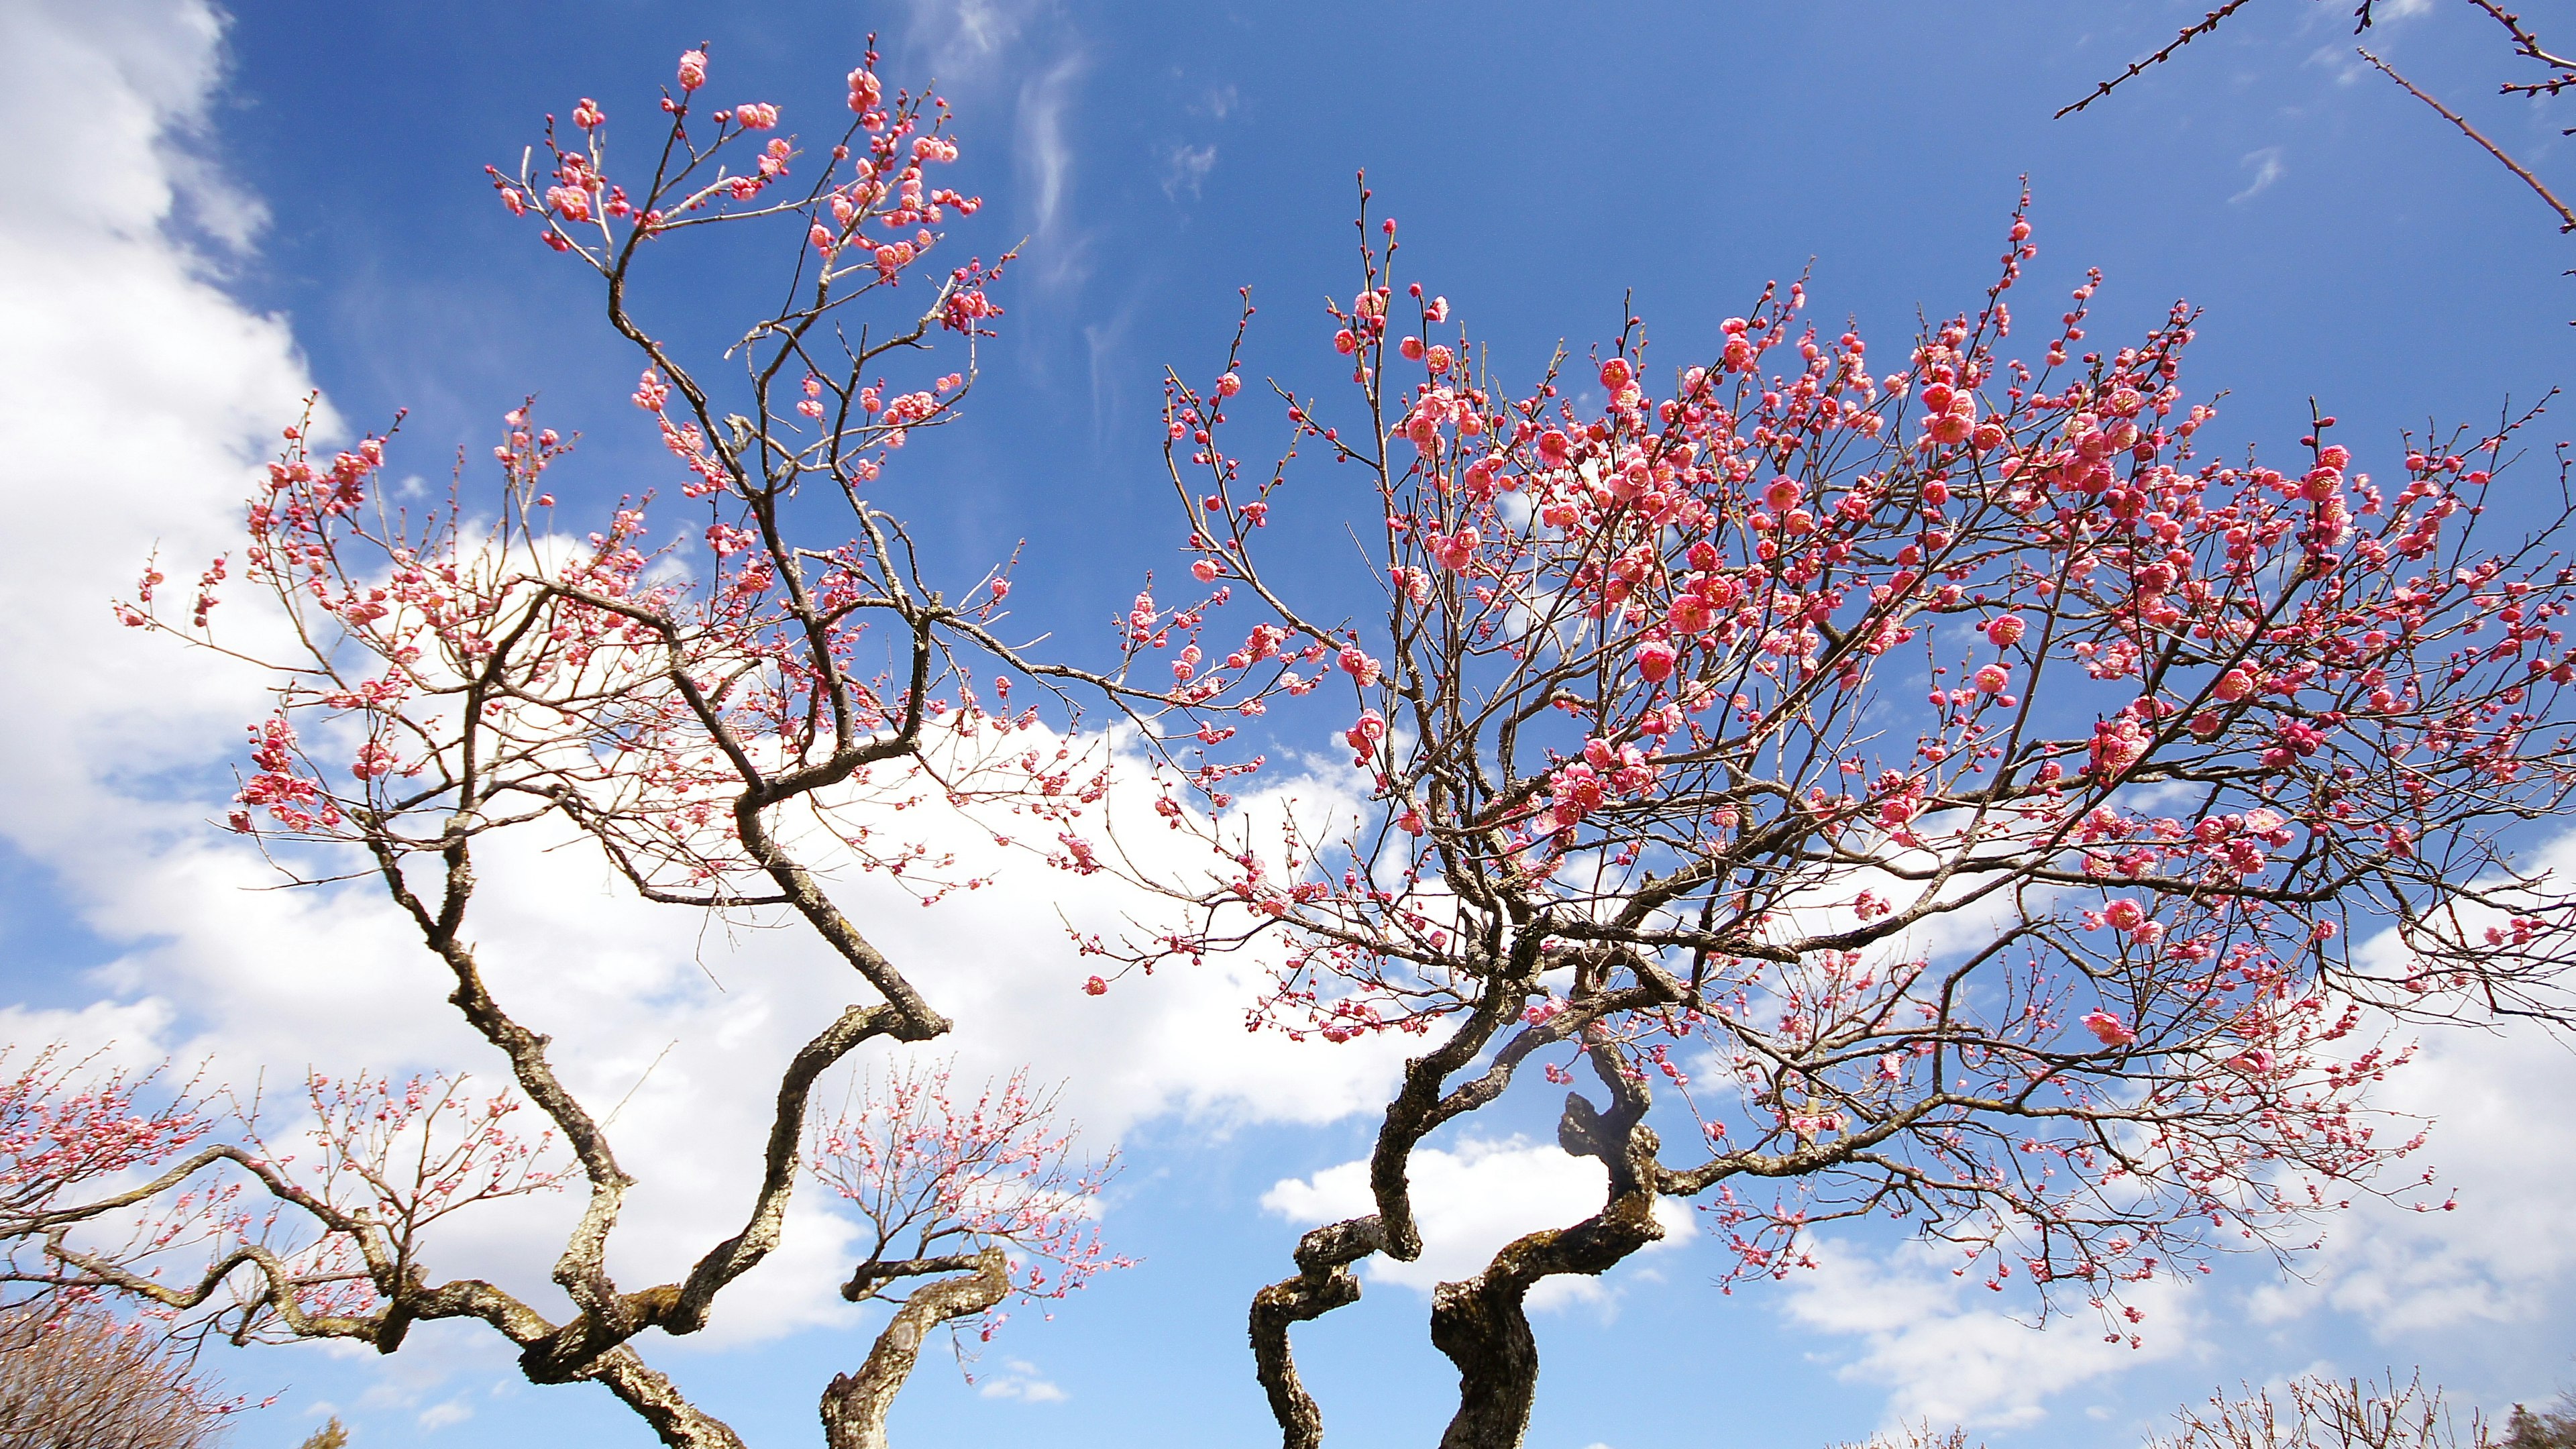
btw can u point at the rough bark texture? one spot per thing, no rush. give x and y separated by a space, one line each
1482 1326
659 1403
854 1407
1323 1283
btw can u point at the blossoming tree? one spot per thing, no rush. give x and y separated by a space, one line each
1933 789
1930 789
74 1376
471 670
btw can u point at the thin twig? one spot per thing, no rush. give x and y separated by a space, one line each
2566 218
2528 45
2190 33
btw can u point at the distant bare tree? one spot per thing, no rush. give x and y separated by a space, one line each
1918 1436
78 1378
2315 1411
2318 1412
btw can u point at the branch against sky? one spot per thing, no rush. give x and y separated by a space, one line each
2524 42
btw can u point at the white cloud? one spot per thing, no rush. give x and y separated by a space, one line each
1943 1358
2502 1256
1184 167
439 1416
2500 1152
1020 1380
1470 1202
2267 168
968 40
1046 163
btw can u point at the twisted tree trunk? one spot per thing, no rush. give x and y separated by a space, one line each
1482 1325
854 1407
1323 1283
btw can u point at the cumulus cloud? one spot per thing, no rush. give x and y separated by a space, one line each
1020 1380
2497 1254
2501 1255
1941 1357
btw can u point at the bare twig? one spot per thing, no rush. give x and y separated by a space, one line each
2190 33
2566 218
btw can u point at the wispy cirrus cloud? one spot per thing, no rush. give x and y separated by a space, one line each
2267 167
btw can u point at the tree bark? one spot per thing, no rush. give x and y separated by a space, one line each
675 1420
1323 1283
854 1407
1482 1326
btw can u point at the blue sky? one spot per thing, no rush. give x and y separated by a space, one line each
215 212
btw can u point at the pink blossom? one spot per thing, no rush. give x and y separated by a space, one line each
693 69
2109 1028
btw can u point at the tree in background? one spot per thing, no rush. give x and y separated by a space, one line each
1929 787
2551 1428
74 1376
2312 1411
